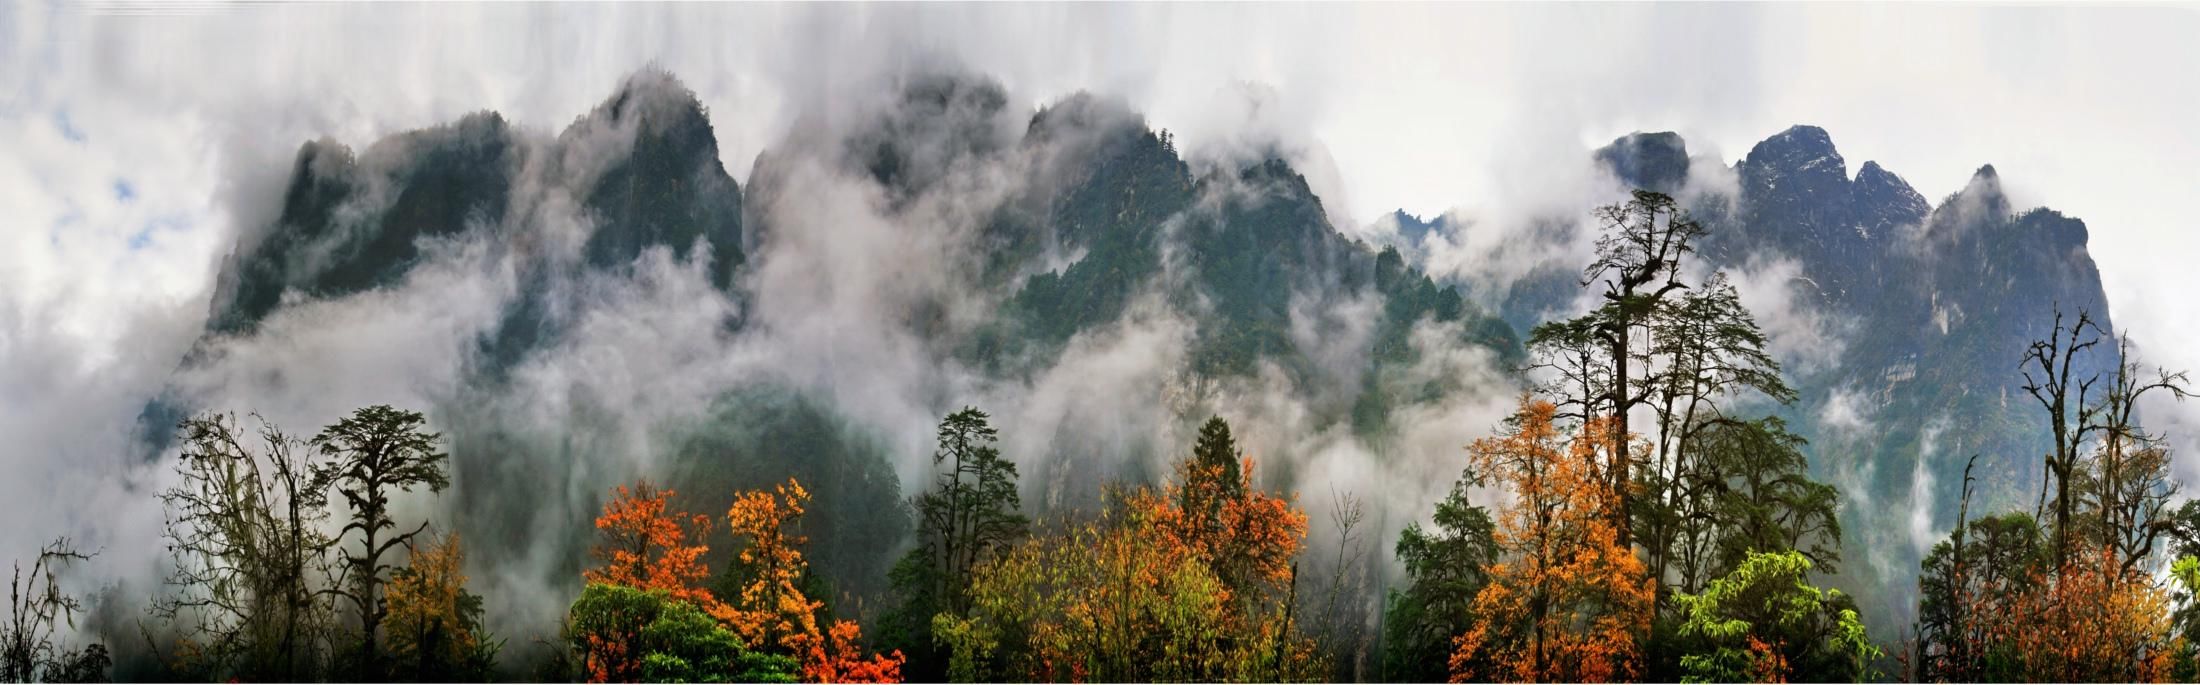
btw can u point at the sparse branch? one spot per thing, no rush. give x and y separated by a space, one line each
243 529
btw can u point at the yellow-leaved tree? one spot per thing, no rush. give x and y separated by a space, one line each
1194 583
434 624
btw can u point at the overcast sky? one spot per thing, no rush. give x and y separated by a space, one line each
135 138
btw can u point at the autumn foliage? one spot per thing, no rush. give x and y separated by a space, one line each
1567 601
653 549
1193 583
434 623
2086 621
649 545
1247 536
1119 599
772 608
632 635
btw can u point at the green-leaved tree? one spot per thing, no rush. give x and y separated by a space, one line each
970 515
1765 622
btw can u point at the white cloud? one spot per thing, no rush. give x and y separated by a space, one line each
1804 338
138 146
1847 413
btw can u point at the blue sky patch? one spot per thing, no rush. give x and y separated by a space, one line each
68 128
124 192
143 238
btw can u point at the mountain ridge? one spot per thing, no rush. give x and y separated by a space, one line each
1920 311
1101 228
1102 235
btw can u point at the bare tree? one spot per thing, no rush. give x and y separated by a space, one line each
1341 625
2050 375
36 609
244 530
2130 484
1572 353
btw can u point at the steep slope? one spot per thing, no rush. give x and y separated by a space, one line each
608 304
1904 325
350 223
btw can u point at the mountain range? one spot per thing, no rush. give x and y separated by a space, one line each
1904 321
612 289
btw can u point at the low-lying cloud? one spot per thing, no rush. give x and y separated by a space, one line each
144 148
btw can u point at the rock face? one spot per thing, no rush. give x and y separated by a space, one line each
1650 161
639 171
1073 223
350 223
1906 322
670 189
1918 315
644 166
1924 309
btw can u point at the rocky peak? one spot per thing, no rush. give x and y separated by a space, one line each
2066 233
1884 200
1082 112
934 120
1981 200
1801 153
1651 161
1412 228
670 189
655 99
1985 184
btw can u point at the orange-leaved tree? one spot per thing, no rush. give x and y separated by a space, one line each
1247 536
1566 601
1118 599
772 609
1247 539
1190 584
2089 621
647 544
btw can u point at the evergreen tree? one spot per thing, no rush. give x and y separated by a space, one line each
971 515
1208 482
374 454
1445 568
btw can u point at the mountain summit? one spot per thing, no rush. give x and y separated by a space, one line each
1907 321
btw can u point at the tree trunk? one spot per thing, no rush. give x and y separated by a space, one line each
1619 448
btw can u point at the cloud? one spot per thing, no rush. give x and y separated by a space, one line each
1487 109
1804 338
1922 533
1846 413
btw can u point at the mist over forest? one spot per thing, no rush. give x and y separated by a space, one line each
944 376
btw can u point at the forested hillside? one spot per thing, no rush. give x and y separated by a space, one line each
960 388
1901 324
